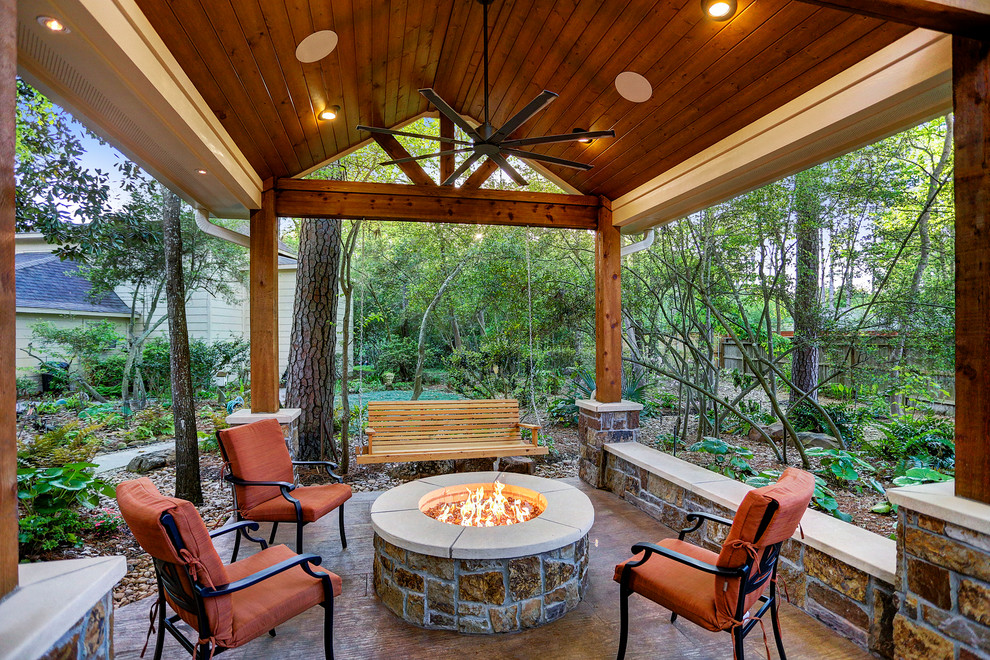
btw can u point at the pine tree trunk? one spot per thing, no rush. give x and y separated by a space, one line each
807 315
311 369
187 483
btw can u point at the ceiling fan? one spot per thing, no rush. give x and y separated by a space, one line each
486 140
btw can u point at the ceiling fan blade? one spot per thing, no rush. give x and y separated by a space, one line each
508 169
566 137
452 179
389 131
543 100
450 113
547 159
412 158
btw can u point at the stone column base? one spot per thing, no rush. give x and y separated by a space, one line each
600 424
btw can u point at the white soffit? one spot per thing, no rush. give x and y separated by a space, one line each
902 85
115 74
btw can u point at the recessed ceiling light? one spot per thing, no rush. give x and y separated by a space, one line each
200 171
53 24
316 46
719 10
633 87
330 113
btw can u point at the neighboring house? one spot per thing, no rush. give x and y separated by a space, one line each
55 290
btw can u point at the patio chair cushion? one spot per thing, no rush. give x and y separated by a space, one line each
316 502
142 506
678 587
257 452
259 608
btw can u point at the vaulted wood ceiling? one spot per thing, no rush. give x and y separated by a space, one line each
709 79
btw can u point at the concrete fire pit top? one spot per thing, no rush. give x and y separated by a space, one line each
396 517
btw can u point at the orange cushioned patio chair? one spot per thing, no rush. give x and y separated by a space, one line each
227 606
718 590
260 470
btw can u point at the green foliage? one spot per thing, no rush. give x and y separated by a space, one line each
208 441
206 360
920 475
564 410
44 490
85 345
493 371
151 423
64 527
823 497
849 418
106 415
26 386
927 440
398 357
105 373
70 443
845 468
730 460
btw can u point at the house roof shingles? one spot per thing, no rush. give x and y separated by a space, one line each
45 281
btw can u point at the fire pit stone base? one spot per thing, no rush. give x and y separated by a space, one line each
480 596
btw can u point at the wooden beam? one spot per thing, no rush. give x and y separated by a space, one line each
305 198
971 96
446 162
264 306
8 367
480 175
608 307
968 18
411 169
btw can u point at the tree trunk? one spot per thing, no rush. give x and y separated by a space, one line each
311 369
347 288
187 483
807 316
418 378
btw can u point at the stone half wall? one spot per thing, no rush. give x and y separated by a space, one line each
90 638
480 596
600 424
944 570
858 605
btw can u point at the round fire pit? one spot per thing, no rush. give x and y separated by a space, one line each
481 579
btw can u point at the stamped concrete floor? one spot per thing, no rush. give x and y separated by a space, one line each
364 629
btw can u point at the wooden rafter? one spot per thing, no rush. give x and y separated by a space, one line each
954 17
306 198
480 175
411 168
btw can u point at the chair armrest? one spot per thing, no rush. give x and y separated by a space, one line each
531 427
261 575
698 517
233 527
329 466
370 431
650 548
284 485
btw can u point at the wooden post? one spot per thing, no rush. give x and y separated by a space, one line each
608 307
8 368
971 96
446 162
264 306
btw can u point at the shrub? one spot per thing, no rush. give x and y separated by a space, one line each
206 360
928 441
39 533
70 443
847 417
27 386
730 460
151 423
106 374
493 371
845 468
45 490
399 356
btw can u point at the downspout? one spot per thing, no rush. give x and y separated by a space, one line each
235 237
644 244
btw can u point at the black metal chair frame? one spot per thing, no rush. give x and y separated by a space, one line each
747 584
286 488
170 581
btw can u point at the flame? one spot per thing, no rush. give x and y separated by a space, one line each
485 510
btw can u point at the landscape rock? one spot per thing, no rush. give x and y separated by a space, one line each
820 440
775 431
474 465
517 464
153 461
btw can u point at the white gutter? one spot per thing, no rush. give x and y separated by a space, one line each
644 244
235 237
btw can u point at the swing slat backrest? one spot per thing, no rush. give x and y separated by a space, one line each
403 431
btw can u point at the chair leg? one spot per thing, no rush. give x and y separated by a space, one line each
328 629
343 538
299 538
271 633
237 546
623 621
737 644
673 617
160 637
271 539
775 620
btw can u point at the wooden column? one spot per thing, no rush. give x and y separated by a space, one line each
264 306
8 368
971 96
446 162
608 307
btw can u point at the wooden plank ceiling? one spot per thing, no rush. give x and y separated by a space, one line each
709 79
